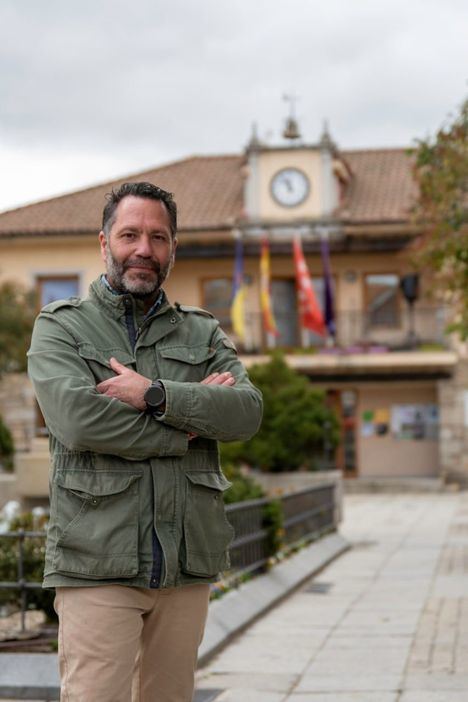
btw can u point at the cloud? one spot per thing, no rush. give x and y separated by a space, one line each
151 81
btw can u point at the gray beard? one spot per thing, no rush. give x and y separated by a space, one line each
141 288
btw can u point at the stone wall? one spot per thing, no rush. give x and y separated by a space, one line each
453 398
18 408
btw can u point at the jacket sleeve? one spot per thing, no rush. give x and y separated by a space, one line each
81 418
224 413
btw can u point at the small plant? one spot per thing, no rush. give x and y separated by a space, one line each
7 447
243 486
33 564
273 523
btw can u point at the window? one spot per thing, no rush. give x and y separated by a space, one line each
217 294
382 300
284 303
285 310
51 288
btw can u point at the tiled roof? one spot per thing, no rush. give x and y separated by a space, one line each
209 193
382 188
208 189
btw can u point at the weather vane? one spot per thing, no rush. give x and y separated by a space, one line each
291 130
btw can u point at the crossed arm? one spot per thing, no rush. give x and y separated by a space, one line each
224 406
129 386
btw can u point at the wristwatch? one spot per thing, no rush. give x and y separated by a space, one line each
155 398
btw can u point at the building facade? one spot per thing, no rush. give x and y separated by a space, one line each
395 378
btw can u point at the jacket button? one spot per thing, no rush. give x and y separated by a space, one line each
173 320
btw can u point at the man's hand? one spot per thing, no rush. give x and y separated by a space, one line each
127 386
219 379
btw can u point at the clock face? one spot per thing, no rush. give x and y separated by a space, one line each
290 187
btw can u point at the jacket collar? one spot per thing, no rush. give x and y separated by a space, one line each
116 304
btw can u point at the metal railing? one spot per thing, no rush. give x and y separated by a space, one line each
22 585
305 515
394 329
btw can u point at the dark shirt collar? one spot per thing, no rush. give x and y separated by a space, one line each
153 309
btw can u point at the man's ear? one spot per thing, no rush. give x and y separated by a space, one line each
174 249
103 245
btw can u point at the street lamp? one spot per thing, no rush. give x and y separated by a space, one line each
409 286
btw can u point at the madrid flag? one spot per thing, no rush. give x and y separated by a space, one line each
311 316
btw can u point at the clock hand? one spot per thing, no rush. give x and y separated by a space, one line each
288 184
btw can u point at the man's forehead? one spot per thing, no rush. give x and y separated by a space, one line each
134 208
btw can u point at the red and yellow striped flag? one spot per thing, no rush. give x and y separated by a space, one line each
269 323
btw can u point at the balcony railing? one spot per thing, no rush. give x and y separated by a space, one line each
404 329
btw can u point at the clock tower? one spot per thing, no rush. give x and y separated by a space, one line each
293 183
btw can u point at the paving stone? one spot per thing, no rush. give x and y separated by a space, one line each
266 682
343 697
437 682
250 696
348 661
349 682
450 586
430 695
386 621
367 641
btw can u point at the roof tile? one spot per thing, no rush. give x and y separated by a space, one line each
209 193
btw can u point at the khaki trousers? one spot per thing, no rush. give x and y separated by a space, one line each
122 644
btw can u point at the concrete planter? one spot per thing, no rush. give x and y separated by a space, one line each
32 471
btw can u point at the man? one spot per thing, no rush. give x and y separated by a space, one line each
135 393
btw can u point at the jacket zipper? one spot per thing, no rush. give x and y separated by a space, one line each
157 549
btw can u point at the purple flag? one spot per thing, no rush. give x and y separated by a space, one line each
329 312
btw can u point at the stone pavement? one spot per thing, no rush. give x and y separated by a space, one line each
386 622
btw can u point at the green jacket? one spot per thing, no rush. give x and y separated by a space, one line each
118 474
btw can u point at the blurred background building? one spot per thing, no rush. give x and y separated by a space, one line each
378 343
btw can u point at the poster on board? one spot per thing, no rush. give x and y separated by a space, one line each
418 421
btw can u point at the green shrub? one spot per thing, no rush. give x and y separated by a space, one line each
33 559
18 309
243 486
7 447
273 521
297 429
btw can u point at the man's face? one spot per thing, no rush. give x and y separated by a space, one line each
139 250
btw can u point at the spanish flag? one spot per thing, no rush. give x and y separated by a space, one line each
238 294
269 323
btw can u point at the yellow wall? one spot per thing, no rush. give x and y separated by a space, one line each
23 260
385 455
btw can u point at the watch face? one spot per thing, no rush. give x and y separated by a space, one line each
290 187
155 395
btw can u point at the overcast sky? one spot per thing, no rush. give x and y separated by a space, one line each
95 89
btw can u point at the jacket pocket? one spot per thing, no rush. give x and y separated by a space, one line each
185 363
97 523
98 360
207 532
